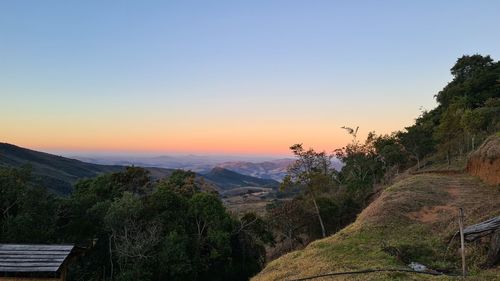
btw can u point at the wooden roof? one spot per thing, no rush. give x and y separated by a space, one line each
33 258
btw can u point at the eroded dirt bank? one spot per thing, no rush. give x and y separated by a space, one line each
485 162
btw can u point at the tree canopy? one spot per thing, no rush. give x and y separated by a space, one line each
136 228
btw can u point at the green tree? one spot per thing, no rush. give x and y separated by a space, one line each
362 166
475 78
183 182
450 131
468 66
417 141
288 219
175 261
248 240
313 172
212 228
28 212
133 237
389 149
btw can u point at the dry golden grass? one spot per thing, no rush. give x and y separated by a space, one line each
258 207
417 215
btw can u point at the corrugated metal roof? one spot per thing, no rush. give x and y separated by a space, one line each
33 258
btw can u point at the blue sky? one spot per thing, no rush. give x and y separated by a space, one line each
226 76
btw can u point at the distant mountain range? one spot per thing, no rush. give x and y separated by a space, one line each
256 167
230 179
199 164
196 163
275 169
60 173
260 167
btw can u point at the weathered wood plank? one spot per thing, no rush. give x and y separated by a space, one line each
32 256
494 249
32 260
28 269
30 279
481 229
28 264
36 247
34 252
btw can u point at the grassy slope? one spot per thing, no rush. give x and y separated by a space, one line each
416 215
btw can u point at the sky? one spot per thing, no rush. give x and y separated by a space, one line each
226 77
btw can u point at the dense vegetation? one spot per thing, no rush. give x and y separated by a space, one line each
137 228
468 111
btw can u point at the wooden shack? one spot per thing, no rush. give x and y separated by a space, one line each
24 262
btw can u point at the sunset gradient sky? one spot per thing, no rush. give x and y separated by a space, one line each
231 77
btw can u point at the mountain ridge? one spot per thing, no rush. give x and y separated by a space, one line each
271 169
58 173
231 179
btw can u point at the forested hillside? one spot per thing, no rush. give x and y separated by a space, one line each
54 172
412 218
468 111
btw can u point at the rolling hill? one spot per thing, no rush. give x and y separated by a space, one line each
411 221
59 173
272 169
227 179
54 172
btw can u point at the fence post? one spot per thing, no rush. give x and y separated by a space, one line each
462 242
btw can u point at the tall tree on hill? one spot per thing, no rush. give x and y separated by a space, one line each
362 166
287 219
468 66
311 171
475 79
418 141
468 104
389 150
450 132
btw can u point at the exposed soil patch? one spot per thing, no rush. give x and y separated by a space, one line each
440 172
417 214
485 162
432 214
454 191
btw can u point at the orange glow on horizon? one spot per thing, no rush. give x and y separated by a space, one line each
190 146
196 143
217 135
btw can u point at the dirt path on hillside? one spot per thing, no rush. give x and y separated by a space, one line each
416 212
462 190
